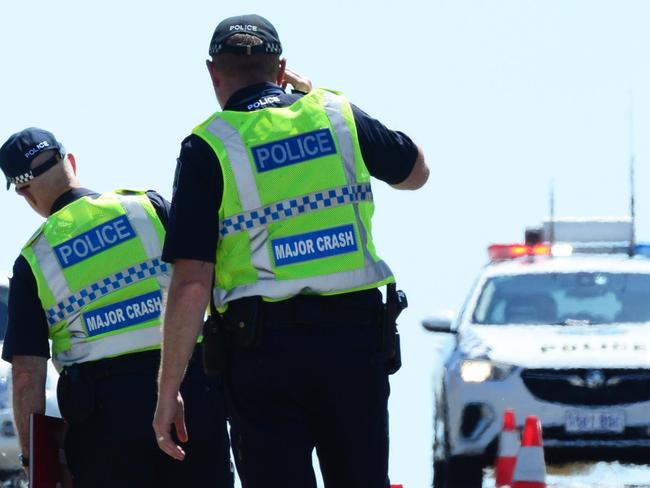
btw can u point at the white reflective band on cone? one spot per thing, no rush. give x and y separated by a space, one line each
530 465
508 444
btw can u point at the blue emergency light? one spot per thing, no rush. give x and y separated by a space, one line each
642 249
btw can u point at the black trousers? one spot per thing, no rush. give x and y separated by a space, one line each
316 381
115 445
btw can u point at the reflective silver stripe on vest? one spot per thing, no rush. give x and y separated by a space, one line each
82 351
332 105
322 285
247 189
146 231
72 303
50 267
291 207
239 162
142 224
333 108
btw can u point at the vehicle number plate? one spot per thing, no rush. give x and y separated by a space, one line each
594 421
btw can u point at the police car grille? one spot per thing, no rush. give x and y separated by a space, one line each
588 386
560 434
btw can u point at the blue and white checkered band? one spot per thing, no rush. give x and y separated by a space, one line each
291 207
20 179
147 269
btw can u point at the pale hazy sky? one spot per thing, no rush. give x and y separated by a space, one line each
502 95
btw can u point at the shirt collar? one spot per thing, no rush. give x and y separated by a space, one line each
70 196
242 99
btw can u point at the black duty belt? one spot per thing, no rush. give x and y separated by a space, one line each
121 365
126 364
362 308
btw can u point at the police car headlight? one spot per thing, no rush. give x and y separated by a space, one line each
480 370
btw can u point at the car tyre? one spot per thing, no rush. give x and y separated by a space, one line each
464 472
440 474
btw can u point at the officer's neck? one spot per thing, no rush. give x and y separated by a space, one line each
51 201
228 87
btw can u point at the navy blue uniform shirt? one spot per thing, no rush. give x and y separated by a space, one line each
193 229
27 328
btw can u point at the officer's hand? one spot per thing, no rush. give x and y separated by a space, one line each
170 411
296 80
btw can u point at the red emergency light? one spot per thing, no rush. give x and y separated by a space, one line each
500 252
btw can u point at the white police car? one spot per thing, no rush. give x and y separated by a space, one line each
9 448
10 467
559 328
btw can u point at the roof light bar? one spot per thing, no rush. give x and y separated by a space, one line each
589 230
500 252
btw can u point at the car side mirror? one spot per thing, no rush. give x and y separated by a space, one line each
440 322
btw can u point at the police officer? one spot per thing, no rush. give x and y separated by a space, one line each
91 280
271 219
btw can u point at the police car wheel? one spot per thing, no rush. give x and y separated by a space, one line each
439 474
465 472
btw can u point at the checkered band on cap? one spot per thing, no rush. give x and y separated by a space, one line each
295 206
133 274
20 179
268 47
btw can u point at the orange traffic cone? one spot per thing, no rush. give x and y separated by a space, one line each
508 448
530 468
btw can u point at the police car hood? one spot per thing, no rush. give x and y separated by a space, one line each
560 346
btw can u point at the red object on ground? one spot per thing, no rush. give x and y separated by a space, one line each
396 486
530 469
508 449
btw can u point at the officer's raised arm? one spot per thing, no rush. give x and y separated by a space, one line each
297 81
418 175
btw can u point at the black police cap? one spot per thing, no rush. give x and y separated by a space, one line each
252 24
19 151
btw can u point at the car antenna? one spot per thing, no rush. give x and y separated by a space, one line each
551 203
632 247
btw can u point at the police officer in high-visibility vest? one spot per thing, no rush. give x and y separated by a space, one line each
271 221
92 280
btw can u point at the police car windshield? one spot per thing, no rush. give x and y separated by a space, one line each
4 298
564 298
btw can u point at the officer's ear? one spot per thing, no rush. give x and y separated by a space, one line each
73 162
282 66
212 69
